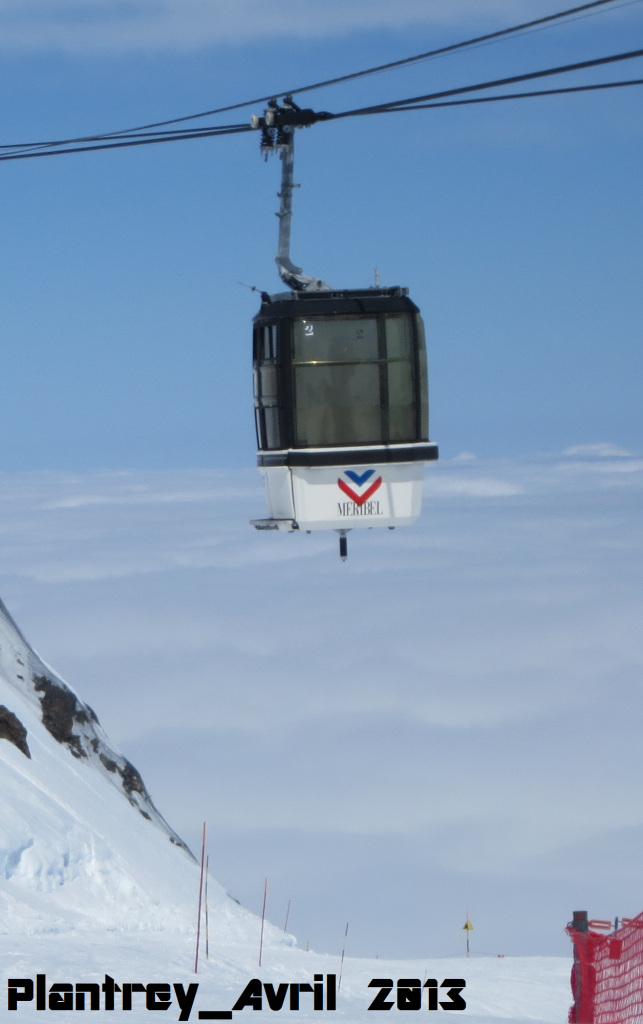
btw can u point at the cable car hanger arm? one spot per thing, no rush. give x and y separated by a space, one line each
278 135
291 275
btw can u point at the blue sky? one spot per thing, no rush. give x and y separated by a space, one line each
447 722
517 226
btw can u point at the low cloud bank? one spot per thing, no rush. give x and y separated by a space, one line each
447 717
109 26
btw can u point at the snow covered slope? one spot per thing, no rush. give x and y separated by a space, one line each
81 843
94 882
514 990
70 722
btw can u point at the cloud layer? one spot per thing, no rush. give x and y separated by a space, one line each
456 708
108 26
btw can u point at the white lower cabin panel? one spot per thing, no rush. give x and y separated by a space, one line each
375 495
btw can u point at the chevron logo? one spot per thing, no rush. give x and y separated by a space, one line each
359 481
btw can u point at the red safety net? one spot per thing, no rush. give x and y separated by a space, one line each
607 976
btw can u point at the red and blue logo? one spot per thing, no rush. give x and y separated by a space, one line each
359 481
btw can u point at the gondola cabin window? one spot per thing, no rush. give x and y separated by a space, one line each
266 389
355 380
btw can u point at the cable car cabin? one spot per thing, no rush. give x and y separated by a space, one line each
341 405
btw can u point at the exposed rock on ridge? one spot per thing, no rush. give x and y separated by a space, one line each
12 729
72 723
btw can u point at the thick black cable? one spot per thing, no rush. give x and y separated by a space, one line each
382 67
144 141
488 37
414 102
176 133
381 108
138 138
212 132
517 95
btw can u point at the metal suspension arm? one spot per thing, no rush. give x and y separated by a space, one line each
278 133
290 274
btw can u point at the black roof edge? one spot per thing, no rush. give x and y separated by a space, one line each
354 301
397 291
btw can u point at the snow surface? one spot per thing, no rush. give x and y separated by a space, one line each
93 882
77 851
513 989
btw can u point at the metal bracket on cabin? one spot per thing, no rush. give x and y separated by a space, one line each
284 525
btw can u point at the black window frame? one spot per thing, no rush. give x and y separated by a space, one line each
281 315
266 353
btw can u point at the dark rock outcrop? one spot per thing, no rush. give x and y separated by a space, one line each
76 726
60 710
69 721
12 729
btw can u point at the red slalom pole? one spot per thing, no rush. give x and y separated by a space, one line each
198 921
207 928
341 968
263 917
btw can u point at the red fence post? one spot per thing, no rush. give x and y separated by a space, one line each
580 925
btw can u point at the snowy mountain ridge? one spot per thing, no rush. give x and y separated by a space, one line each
81 843
72 723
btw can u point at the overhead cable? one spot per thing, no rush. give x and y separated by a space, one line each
308 116
496 83
145 140
517 95
594 5
488 37
226 129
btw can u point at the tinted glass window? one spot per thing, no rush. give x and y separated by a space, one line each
269 342
337 382
336 340
271 420
266 388
337 405
354 381
424 380
268 384
401 392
